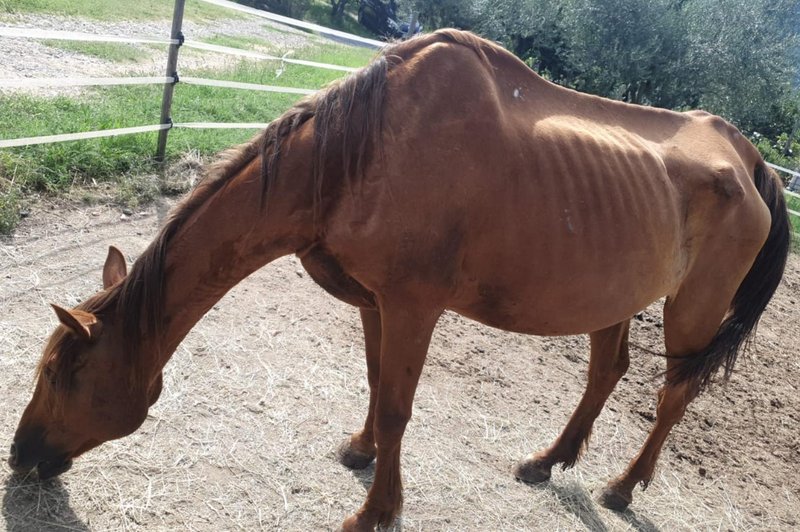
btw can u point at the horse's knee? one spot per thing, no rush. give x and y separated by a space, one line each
390 426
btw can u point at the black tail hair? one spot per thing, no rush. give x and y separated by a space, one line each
752 296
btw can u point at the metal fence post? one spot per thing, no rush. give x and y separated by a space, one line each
172 71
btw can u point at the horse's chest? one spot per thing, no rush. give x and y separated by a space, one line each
326 271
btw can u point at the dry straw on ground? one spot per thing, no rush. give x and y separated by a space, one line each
261 392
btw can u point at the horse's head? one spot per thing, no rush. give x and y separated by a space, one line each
84 393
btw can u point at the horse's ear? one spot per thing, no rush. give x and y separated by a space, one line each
77 321
114 270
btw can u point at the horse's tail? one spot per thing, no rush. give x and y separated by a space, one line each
752 296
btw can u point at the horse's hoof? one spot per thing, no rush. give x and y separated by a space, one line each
614 500
351 457
532 471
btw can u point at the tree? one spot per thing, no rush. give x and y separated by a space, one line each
533 30
737 58
441 13
630 50
745 55
337 7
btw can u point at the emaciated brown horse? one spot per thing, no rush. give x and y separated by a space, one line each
445 175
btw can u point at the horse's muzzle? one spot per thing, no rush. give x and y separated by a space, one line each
22 462
53 468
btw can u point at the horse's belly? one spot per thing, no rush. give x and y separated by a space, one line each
562 285
561 308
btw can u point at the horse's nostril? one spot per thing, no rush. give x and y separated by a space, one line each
12 454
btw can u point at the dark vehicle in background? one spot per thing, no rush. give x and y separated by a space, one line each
381 19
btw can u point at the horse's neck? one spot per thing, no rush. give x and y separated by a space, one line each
230 236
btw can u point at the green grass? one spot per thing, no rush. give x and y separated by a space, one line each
339 55
195 10
793 203
54 168
245 43
116 52
239 41
9 204
321 52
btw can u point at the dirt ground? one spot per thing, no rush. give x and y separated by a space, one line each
262 391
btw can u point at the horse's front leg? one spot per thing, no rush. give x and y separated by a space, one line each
358 451
405 334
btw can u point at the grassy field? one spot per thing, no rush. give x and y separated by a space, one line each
55 168
319 11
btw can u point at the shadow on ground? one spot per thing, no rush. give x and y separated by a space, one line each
29 504
365 476
576 500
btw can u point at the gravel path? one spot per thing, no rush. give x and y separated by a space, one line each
23 58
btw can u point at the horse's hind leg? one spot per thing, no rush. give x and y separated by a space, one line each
608 362
672 403
691 319
358 451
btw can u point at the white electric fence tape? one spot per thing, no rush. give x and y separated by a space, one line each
11 143
788 192
29 141
218 125
256 55
80 82
296 23
33 33
782 169
239 85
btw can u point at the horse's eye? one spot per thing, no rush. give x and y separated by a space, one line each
49 375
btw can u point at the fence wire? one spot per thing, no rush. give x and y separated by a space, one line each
257 55
247 86
297 23
80 82
48 139
57 35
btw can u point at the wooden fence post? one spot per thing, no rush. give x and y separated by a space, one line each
172 71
